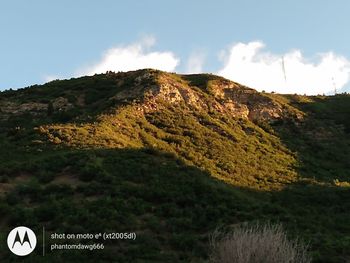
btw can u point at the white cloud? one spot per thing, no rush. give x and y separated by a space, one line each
250 65
132 57
195 62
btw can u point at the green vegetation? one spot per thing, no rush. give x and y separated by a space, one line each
106 153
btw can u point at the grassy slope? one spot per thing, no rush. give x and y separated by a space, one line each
173 175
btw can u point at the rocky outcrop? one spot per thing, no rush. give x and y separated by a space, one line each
8 108
62 104
227 97
148 89
17 109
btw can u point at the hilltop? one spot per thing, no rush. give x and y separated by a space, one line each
172 157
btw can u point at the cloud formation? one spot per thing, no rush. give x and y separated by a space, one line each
247 63
132 57
195 62
250 65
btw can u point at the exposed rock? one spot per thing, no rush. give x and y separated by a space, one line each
14 108
8 108
61 104
231 97
147 89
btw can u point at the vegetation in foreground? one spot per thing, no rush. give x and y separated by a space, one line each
256 244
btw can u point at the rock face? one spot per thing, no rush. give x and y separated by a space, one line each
229 97
9 108
149 89
61 104
17 108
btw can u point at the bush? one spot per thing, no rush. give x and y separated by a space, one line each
257 244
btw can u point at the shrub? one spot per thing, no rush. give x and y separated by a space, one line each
256 244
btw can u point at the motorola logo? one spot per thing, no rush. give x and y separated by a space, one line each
21 241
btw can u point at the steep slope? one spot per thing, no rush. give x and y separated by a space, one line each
205 120
142 151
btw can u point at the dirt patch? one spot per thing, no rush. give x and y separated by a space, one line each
68 179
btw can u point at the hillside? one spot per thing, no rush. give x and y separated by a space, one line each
172 157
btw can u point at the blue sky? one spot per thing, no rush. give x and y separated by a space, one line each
41 40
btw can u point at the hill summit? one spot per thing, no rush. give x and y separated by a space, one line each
198 91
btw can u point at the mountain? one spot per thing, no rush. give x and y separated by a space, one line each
172 157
